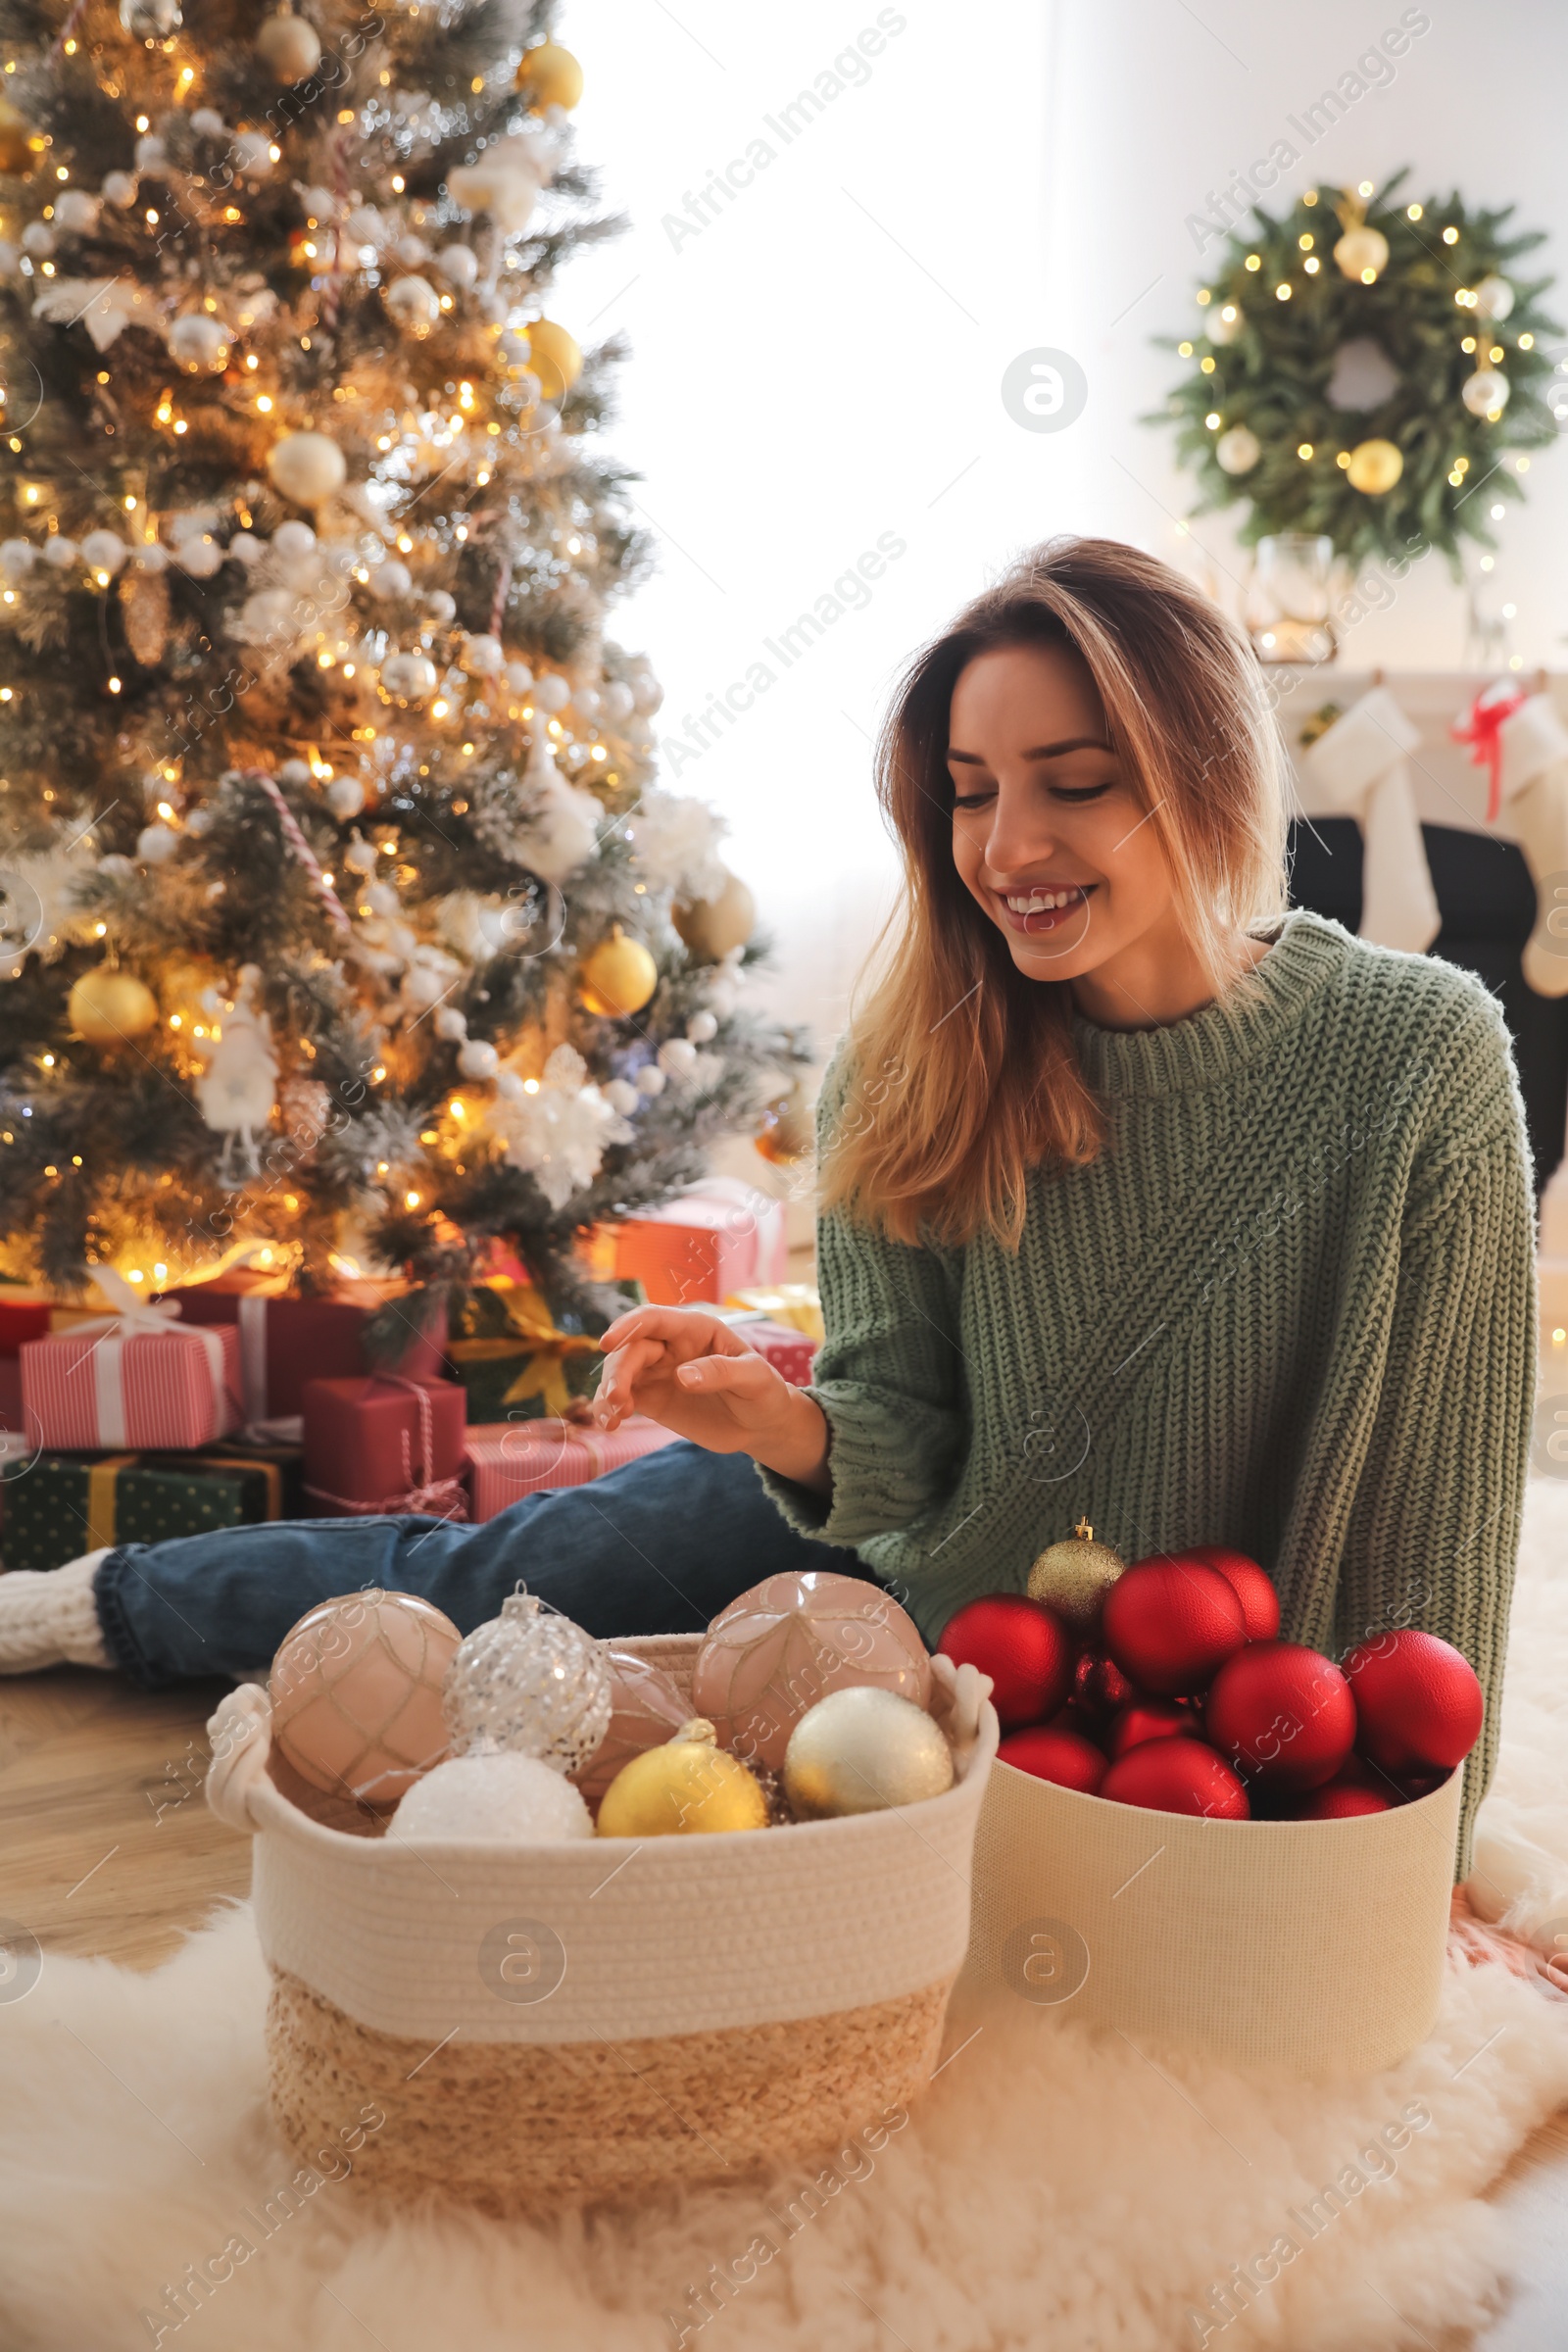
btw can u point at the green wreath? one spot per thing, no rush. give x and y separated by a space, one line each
1372 398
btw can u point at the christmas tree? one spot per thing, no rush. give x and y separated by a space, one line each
345 926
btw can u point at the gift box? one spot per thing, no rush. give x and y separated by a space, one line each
59 1505
285 1342
790 1353
719 1237
141 1379
385 1444
23 1319
11 1393
515 1362
508 1459
283 1466
796 1303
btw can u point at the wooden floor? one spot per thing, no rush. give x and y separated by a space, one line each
107 1846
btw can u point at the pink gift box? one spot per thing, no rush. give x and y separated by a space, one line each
790 1353
508 1459
722 1236
137 1379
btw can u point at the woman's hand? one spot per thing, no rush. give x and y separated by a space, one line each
697 1376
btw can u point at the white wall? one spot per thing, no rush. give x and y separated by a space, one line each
820 364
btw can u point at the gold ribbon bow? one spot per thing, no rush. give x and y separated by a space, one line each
531 1330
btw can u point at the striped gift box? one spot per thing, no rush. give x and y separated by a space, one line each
508 1459
139 1379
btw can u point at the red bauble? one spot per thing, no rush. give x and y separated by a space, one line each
1056 1755
1283 1714
1340 1800
1250 1584
1417 1702
1098 1685
1151 1718
1022 1645
1170 1622
1177 1775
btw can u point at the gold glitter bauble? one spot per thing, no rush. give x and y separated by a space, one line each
689 1785
1074 1576
550 75
860 1750
712 928
618 978
106 1008
1375 466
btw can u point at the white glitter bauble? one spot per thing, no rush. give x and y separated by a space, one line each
60 553
293 539
120 189
409 678
103 551
155 844
198 341
459 265
252 151
290 46
621 1095
1493 298
483 656
529 1683
551 693
1485 392
414 303
307 467
345 797
511 1799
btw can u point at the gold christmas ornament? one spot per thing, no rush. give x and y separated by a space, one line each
687 1786
307 467
290 46
862 1750
554 356
1375 466
550 77
1362 254
788 1132
712 928
1074 1576
106 1008
618 978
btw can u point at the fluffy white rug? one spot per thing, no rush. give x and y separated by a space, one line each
1050 2189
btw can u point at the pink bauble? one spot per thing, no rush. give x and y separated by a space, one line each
646 1709
789 1642
356 1691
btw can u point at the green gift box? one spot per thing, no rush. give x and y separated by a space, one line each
64 1504
515 1362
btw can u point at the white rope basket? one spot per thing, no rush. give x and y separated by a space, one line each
591 2015
1313 1948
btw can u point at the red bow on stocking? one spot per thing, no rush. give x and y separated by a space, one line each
1482 729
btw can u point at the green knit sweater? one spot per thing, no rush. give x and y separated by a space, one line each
1291 1307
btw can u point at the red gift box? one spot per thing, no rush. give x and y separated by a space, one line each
385 1444
790 1353
721 1236
283 1342
508 1459
10 1392
23 1319
139 1380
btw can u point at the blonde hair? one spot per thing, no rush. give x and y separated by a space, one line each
960 1073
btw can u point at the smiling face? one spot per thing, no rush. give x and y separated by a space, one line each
1053 843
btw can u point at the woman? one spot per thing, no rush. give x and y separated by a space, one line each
1142 1198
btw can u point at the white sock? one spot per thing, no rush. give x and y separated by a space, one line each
49 1617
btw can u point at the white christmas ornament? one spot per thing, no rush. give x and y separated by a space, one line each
345 797
390 580
519 678
678 1056
483 657
440 606
151 153
702 1028
412 252
252 152
551 693
147 555
459 265
197 341
120 189
650 1081
290 46
236 1092
1486 393
409 678
245 549
450 1024
479 1058
1493 299
504 1799
621 1095
293 539
200 556
559 825
208 123
618 703
560 1134
477 928
1238 451
307 467
319 203
268 617
360 856
104 551
38 239
61 552
674 844
414 303
156 844
75 213
16 558
528 1683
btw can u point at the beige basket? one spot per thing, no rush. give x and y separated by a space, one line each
586 2020
1313 1948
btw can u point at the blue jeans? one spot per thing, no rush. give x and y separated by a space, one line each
659 1546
